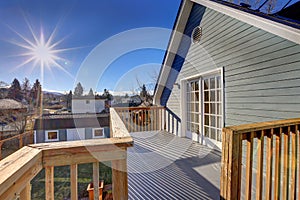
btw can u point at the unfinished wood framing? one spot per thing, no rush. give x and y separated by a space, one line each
141 118
25 194
120 180
49 183
73 180
96 180
280 136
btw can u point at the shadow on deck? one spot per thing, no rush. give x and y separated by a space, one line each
163 166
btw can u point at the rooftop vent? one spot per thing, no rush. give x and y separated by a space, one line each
197 34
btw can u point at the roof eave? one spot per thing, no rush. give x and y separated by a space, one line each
282 30
173 46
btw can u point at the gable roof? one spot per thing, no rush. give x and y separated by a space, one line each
68 121
274 24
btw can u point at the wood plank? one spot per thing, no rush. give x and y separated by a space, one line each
51 159
20 141
293 158
49 183
155 120
117 128
277 164
1 143
247 128
26 192
269 168
127 115
231 165
14 167
120 179
92 145
96 180
285 185
73 180
24 179
260 158
150 120
249 163
224 164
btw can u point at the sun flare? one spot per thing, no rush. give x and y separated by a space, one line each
42 52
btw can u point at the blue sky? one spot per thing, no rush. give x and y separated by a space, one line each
81 25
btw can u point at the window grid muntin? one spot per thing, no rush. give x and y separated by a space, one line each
193 105
210 89
212 92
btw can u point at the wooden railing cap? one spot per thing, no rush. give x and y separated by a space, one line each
246 128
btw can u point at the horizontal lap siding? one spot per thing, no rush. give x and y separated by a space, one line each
261 70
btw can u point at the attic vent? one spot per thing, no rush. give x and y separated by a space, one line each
196 35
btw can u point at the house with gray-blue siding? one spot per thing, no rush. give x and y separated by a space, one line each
230 65
70 127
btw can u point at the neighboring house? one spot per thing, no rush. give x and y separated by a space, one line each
12 115
88 105
69 127
231 66
135 99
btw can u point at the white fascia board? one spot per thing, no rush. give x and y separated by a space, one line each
172 48
276 28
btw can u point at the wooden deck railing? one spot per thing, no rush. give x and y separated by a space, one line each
275 166
18 169
138 119
22 140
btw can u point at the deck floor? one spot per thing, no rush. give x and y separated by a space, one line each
164 166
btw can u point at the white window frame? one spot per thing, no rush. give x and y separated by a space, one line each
184 130
51 140
94 129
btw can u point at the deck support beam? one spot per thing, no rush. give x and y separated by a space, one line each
49 182
73 177
120 179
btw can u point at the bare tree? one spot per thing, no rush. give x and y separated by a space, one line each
17 120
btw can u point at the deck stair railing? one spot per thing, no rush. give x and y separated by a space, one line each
18 169
154 118
261 161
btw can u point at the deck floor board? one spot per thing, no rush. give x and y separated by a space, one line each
164 166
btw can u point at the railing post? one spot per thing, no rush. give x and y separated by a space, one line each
49 182
1 143
119 179
73 177
96 180
21 141
26 192
231 165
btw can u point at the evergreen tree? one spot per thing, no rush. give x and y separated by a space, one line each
15 91
36 93
78 90
26 89
69 100
91 93
144 92
107 95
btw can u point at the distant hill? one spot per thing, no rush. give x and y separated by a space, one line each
49 92
4 85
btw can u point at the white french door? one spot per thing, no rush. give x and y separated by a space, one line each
205 108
